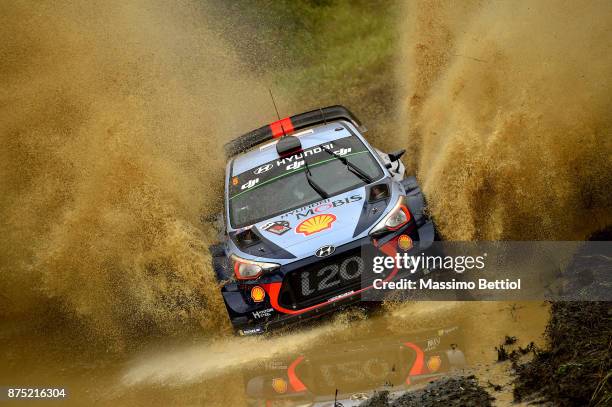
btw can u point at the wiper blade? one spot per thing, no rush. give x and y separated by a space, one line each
312 182
315 186
351 167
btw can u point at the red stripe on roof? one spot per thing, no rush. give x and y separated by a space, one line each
280 125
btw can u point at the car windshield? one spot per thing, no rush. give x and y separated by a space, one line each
281 185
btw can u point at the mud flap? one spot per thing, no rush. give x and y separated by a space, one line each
220 262
417 204
415 200
427 235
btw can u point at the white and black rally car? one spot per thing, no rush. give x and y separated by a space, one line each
303 196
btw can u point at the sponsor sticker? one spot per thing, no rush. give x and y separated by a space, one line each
300 156
263 313
278 227
258 294
251 331
275 365
432 343
442 332
279 385
337 297
321 206
316 224
250 184
346 146
263 168
343 151
404 242
296 165
434 363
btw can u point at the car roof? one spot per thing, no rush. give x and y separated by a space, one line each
308 137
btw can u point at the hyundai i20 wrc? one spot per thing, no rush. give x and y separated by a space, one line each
303 196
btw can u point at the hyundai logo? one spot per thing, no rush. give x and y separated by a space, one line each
325 251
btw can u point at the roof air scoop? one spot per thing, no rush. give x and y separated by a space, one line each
288 145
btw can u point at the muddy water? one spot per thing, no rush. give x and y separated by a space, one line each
111 121
508 114
354 353
113 116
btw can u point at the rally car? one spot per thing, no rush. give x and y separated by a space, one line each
303 197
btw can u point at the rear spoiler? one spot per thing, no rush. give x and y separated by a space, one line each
289 125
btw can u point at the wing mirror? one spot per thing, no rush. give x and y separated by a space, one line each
396 155
378 192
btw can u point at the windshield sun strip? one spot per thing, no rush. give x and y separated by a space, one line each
294 171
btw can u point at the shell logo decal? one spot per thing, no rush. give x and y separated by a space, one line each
279 385
258 294
404 242
316 224
434 363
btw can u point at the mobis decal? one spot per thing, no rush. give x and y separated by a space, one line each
316 224
278 227
321 206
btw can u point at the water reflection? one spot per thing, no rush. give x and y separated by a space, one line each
349 371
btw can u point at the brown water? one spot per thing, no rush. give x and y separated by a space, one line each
112 118
353 353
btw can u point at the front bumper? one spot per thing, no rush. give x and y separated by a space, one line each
251 317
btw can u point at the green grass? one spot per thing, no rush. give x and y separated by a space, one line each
339 48
319 53
340 52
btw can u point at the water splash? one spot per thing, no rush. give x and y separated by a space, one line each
508 112
113 118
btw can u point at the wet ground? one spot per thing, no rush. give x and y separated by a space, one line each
401 347
450 391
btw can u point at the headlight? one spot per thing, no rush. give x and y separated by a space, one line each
395 219
248 269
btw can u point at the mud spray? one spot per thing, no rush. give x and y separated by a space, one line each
509 112
112 119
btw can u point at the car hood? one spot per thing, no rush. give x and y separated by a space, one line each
331 221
